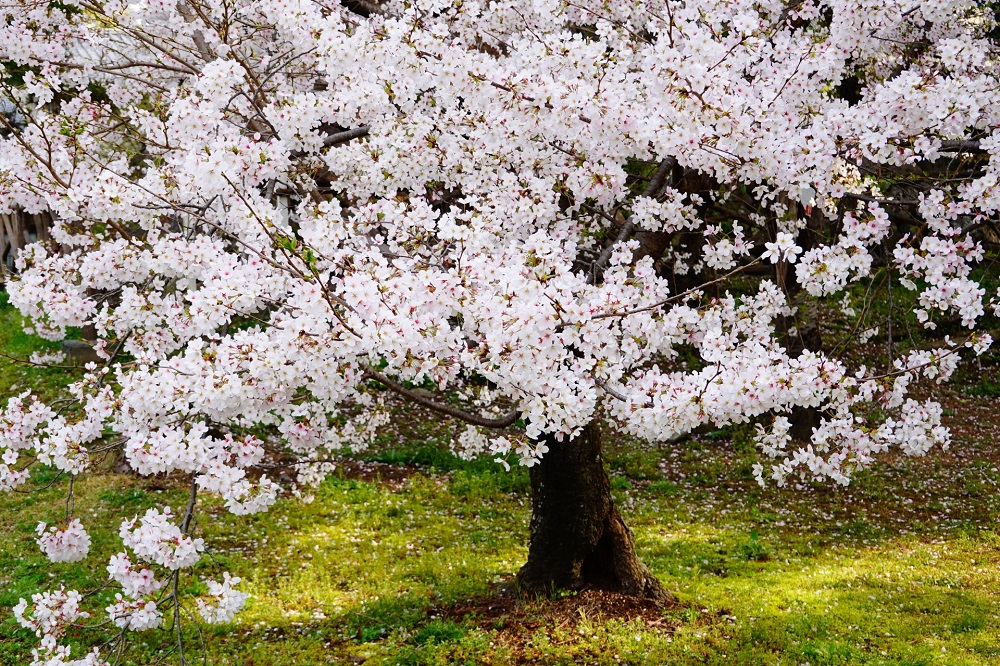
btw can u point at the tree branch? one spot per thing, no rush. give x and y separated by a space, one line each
652 190
345 136
969 146
501 422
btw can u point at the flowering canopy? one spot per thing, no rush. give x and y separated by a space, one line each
264 209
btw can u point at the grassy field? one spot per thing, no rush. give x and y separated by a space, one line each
398 557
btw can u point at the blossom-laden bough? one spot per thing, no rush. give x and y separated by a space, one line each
516 213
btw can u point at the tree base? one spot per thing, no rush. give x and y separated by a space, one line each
578 539
612 566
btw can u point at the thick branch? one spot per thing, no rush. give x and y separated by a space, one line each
970 146
652 190
345 136
880 200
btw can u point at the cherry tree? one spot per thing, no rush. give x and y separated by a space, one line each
522 215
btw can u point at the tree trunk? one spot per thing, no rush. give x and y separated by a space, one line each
578 539
808 336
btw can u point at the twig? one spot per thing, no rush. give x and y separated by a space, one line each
676 297
69 498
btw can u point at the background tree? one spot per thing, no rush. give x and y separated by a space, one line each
530 216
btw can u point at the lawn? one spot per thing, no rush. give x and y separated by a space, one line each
400 555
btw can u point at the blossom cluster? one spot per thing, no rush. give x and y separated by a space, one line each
155 538
70 544
223 602
50 616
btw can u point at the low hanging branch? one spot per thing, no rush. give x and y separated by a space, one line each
498 423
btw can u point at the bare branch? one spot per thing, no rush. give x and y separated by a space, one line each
969 146
345 136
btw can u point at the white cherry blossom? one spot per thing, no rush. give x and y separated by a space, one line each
68 544
267 222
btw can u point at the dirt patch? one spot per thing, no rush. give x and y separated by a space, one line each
515 619
383 474
281 466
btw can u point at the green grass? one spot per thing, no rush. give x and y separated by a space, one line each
902 567
16 345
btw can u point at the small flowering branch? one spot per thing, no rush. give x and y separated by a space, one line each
903 369
681 297
37 364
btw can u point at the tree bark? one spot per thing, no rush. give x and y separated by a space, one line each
578 539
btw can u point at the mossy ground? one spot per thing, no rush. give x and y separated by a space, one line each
398 563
